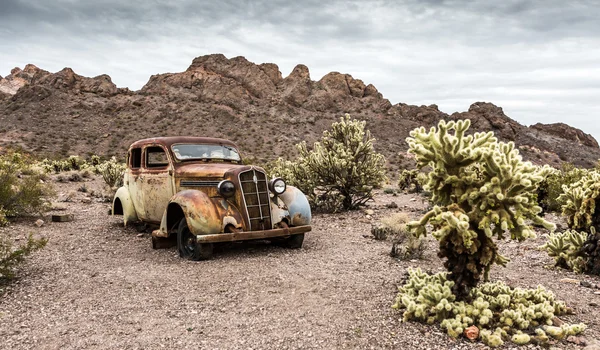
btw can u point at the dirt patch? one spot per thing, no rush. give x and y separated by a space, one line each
97 286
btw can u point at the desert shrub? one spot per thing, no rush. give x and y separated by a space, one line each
411 181
389 190
498 311
340 171
566 249
94 160
404 244
71 163
75 177
21 194
480 189
10 256
112 172
550 188
75 162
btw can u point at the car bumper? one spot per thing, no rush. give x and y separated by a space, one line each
242 236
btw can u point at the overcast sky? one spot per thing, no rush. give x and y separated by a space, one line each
539 60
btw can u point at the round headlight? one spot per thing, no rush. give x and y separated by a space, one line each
277 185
226 188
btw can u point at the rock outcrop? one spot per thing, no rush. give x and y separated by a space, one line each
567 132
254 105
18 78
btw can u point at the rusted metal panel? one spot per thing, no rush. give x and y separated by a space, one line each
129 212
245 235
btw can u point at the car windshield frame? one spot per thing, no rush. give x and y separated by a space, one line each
210 149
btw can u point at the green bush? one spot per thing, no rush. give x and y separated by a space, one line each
21 194
340 171
480 189
10 257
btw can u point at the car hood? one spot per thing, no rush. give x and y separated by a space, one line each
212 170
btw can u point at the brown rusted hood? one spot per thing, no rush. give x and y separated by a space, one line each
212 170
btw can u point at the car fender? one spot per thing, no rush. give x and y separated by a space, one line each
204 215
297 205
127 209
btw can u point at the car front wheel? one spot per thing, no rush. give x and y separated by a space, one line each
188 247
294 242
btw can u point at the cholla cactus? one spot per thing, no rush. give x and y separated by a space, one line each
550 189
580 208
580 201
112 172
565 248
342 166
499 311
411 180
296 175
481 189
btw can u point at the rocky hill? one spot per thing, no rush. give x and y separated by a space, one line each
57 114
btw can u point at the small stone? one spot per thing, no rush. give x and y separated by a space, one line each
368 217
140 235
593 304
569 280
586 284
594 345
597 293
86 200
369 211
472 333
413 199
557 321
39 222
391 205
581 341
62 217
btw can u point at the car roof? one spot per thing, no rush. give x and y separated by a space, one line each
171 140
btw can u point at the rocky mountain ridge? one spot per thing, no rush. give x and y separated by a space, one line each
254 105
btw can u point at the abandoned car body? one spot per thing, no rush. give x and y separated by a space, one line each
198 190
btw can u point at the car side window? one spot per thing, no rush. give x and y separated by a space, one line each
156 157
135 158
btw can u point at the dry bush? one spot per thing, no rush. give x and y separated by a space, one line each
10 257
404 244
21 194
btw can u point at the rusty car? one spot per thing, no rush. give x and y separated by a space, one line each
197 191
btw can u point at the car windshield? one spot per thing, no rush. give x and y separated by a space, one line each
206 152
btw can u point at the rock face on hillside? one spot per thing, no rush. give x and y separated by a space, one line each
254 105
18 78
567 132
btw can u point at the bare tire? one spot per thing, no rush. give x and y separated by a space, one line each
188 247
294 241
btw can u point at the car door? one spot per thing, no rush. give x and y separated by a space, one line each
134 181
156 182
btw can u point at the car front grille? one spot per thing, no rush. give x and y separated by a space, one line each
256 198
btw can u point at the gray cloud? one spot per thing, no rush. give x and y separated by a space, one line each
537 59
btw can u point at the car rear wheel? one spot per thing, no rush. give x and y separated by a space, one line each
188 247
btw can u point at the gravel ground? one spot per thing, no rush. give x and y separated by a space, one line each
98 285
